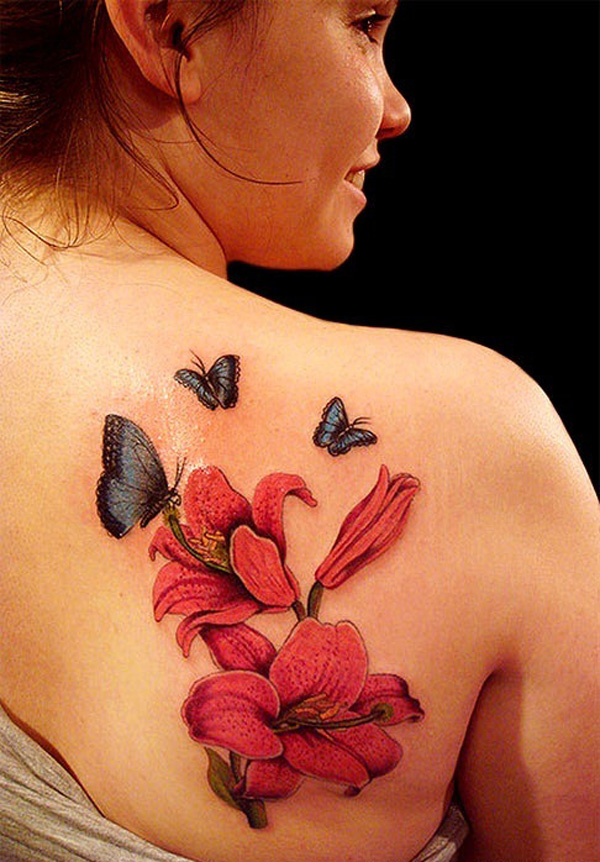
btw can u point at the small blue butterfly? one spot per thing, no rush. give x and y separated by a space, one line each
337 434
133 486
216 386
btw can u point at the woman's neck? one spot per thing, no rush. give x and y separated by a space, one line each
165 218
184 231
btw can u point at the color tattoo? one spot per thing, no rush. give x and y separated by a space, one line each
335 433
271 717
217 386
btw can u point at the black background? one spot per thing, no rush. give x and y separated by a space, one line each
482 220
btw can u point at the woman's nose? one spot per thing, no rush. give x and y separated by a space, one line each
396 112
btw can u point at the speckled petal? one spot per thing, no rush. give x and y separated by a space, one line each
267 504
210 503
315 754
257 562
271 779
234 710
320 659
239 647
392 690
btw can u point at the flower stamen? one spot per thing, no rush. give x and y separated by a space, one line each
212 548
306 716
209 548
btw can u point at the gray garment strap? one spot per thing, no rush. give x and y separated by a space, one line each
446 842
45 816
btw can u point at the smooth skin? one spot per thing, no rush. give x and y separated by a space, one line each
486 605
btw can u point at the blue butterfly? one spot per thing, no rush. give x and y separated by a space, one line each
337 434
133 486
216 386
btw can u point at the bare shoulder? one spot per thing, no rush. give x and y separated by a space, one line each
474 408
530 524
514 476
481 407
512 496
530 539
484 606
504 484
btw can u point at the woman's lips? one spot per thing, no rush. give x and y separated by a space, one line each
356 178
356 175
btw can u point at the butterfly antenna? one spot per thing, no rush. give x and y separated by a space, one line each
360 420
199 363
179 473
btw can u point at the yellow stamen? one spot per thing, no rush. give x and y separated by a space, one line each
212 548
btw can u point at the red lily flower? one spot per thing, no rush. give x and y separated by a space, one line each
237 567
312 710
370 528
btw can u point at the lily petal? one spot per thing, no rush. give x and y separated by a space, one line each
210 503
182 589
377 751
239 647
271 779
366 511
233 710
267 504
319 659
257 562
370 529
193 624
394 513
317 755
393 690
165 544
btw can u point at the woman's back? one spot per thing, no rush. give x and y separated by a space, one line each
492 499
271 587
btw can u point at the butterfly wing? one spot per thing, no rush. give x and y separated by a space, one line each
223 378
334 421
133 486
199 385
352 436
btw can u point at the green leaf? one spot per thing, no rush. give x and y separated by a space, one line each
221 779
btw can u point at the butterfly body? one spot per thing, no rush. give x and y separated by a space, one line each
133 486
335 433
215 387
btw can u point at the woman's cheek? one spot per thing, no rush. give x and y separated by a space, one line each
359 112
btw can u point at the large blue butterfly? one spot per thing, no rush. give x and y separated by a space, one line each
216 386
133 486
337 434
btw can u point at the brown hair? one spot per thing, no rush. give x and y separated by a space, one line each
56 86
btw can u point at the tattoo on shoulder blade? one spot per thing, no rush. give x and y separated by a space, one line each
273 717
217 386
335 433
133 486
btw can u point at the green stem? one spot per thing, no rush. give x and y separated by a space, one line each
254 809
314 599
378 712
173 521
299 610
255 812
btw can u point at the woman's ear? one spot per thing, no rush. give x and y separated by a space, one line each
153 31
